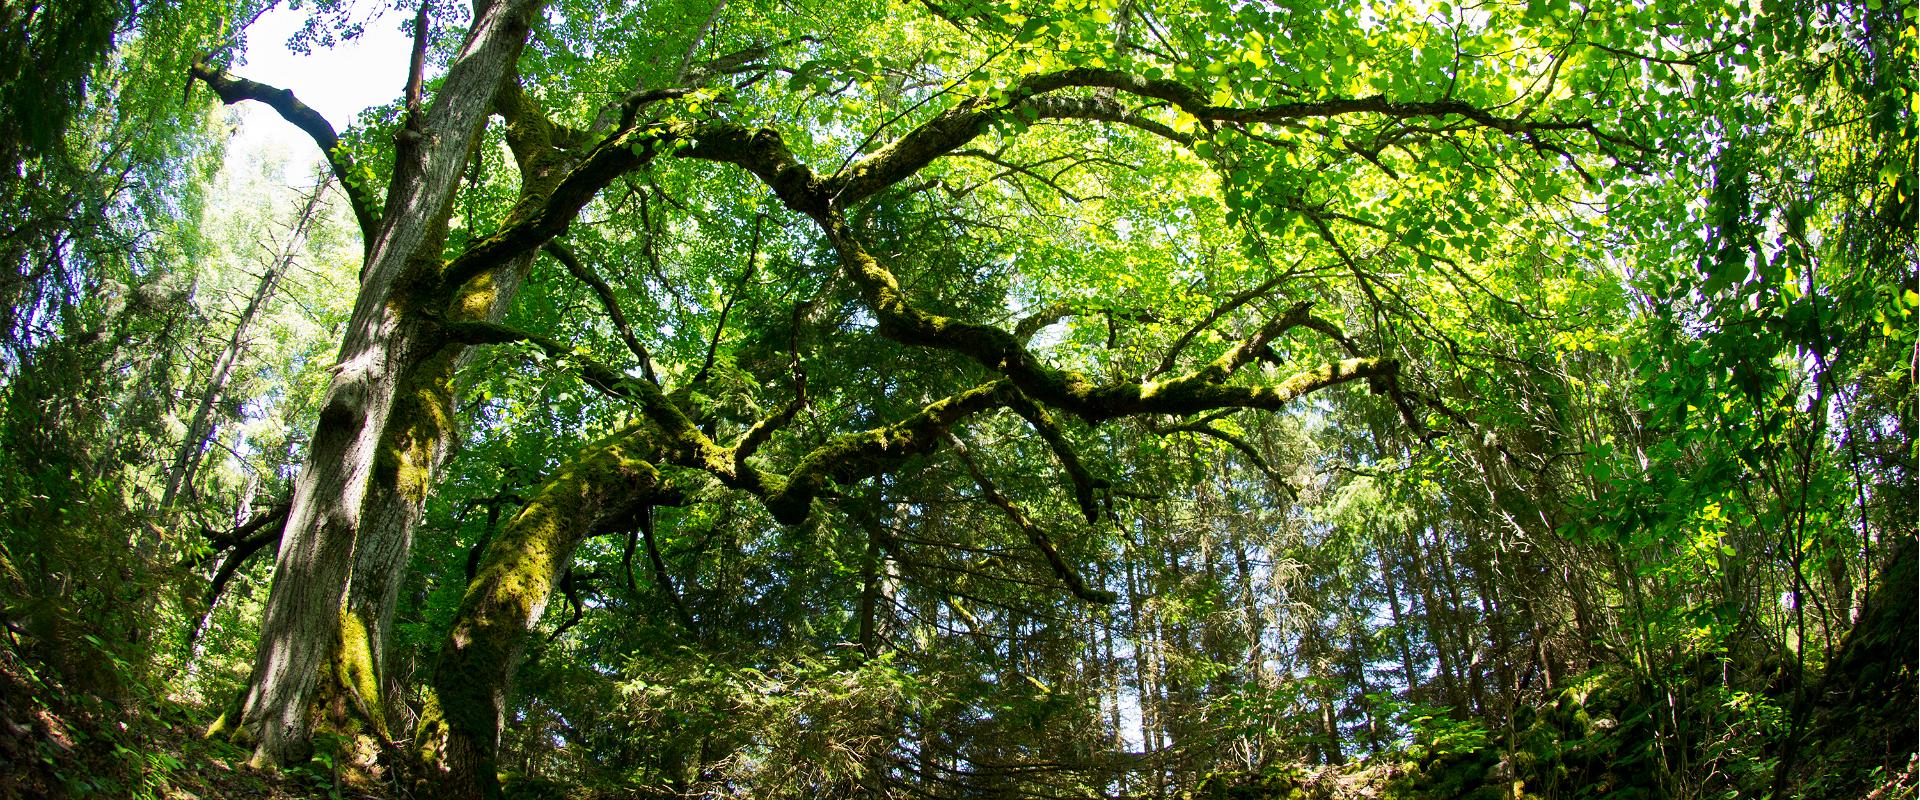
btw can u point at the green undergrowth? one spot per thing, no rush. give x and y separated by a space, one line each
1609 734
60 741
1595 739
1373 780
1604 737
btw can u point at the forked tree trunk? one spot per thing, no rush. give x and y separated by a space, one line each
386 360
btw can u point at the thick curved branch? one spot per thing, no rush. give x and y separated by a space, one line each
540 218
843 459
1203 389
1031 324
1106 109
603 485
854 456
533 137
234 89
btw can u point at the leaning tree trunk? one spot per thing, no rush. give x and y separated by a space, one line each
418 439
187 461
420 432
381 359
602 488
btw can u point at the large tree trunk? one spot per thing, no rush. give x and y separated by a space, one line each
602 488
420 434
387 359
419 437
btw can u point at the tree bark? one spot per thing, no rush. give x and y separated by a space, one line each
381 352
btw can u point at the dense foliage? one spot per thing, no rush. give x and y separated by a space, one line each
1119 398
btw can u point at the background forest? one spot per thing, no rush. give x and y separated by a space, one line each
964 398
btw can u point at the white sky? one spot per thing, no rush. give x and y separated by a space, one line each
339 82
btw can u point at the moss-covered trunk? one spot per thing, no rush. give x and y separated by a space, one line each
459 731
381 357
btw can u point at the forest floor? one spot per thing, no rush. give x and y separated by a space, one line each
59 742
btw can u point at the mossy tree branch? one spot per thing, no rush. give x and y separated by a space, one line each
540 217
761 151
234 89
843 459
1043 423
601 487
851 457
1203 389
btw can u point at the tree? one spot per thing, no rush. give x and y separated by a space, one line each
99 172
1083 231
359 494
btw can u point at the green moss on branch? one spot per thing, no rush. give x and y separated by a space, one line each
458 733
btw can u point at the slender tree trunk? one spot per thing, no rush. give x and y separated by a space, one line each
187 461
1464 635
1116 687
1143 672
1334 753
1400 637
870 595
1436 627
383 347
1255 622
1356 658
